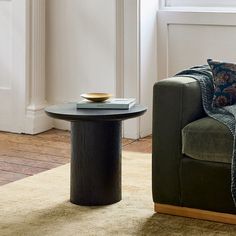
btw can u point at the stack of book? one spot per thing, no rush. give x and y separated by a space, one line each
112 103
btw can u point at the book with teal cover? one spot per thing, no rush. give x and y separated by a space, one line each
112 103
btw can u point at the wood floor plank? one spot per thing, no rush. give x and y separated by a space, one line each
141 145
21 169
37 148
28 162
35 156
10 176
2 182
127 141
23 155
33 140
56 135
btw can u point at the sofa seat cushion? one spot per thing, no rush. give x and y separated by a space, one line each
207 139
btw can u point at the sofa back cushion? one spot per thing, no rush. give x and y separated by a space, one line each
224 78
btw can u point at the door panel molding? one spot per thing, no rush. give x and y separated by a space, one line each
168 20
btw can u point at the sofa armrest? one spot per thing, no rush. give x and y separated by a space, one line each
176 102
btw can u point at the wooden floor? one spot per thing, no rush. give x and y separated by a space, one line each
25 155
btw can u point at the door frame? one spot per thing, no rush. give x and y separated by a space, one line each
136 59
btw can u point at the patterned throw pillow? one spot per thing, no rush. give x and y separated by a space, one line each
224 78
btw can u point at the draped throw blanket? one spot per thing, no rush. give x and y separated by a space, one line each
225 115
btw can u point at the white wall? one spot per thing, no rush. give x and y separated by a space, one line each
90 46
102 45
81 49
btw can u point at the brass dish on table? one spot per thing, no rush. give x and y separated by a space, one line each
96 97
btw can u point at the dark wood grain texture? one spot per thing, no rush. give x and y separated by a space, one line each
69 112
96 151
96 163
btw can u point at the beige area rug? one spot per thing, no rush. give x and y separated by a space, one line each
39 205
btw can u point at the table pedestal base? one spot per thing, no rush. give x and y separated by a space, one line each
95 162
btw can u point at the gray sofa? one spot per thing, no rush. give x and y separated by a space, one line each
191 160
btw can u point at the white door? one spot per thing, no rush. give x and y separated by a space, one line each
12 64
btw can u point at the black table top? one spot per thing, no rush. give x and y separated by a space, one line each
69 112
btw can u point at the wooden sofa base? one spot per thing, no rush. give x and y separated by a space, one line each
195 213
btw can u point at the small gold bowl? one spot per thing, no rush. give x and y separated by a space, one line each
96 97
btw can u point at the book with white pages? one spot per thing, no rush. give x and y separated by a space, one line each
112 103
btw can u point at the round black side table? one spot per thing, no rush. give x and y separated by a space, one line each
96 151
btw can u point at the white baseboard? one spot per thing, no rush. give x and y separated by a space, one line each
61 124
37 122
145 133
131 128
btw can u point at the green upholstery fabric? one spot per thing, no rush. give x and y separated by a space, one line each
206 185
171 112
207 139
178 179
